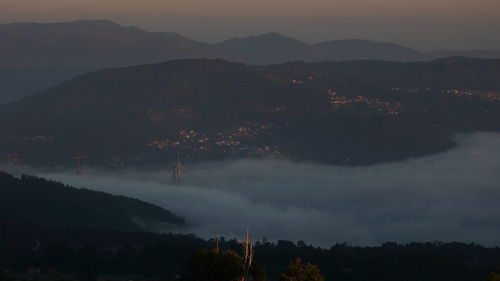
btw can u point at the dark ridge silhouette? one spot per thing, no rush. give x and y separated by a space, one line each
35 56
44 203
357 49
481 54
346 113
267 48
149 255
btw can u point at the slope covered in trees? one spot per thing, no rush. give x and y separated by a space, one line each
349 113
152 256
46 203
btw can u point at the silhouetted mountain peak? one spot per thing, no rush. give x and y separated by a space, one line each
101 22
355 49
104 25
21 26
270 37
48 53
274 36
364 44
267 48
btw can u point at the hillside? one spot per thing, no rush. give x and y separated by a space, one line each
482 54
348 113
35 56
51 204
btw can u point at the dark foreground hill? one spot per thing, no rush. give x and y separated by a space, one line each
46 203
149 256
349 113
34 56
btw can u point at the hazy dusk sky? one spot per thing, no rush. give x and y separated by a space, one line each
424 24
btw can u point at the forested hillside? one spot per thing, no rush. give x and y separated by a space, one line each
347 113
47 203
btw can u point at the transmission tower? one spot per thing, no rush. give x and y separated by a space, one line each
78 164
177 170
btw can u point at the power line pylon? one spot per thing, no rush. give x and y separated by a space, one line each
78 164
177 170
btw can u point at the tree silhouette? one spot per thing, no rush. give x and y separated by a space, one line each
216 265
297 271
494 276
4 276
247 245
212 265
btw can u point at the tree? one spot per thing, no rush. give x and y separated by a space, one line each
247 245
4 276
213 265
494 276
297 271
216 265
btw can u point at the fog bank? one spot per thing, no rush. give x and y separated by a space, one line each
453 196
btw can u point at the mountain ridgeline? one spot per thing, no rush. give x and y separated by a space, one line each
345 113
43 203
35 56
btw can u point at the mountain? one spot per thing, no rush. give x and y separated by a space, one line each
267 48
41 202
273 48
87 43
481 54
344 50
35 56
345 113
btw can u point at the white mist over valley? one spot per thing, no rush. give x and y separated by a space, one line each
452 196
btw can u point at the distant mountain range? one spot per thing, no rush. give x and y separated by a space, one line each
35 56
345 113
47 203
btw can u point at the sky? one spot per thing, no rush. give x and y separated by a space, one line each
451 196
424 24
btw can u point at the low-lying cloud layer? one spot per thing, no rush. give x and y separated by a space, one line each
453 196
